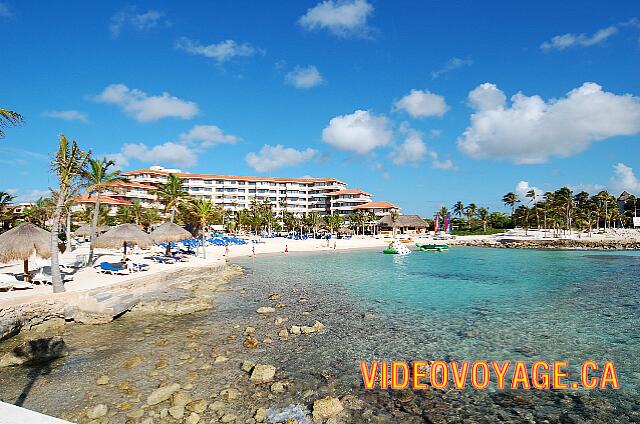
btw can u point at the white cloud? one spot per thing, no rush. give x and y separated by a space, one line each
221 52
360 132
139 21
145 108
29 196
420 104
523 187
168 153
207 136
561 42
411 150
304 77
589 188
67 115
271 158
451 65
445 165
5 11
624 179
531 130
341 17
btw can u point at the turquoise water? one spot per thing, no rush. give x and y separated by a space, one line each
470 304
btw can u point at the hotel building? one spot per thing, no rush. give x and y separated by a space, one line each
297 195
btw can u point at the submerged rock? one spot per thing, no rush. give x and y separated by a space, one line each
35 351
102 380
250 342
97 411
265 310
247 366
162 393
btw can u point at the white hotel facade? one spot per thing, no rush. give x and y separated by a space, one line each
297 195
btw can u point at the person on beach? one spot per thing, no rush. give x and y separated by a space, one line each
335 244
286 248
328 243
253 251
226 251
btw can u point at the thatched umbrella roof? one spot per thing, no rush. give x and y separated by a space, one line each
21 242
123 233
169 232
85 230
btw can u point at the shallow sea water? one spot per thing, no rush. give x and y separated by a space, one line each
464 304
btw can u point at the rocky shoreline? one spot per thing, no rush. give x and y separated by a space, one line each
585 243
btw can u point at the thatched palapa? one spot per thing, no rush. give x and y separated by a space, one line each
85 230
24 241
121 234
169 232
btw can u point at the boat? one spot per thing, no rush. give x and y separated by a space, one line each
396 248
433 247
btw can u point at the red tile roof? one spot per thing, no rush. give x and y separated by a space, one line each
377 205
106 200
187 175
349 191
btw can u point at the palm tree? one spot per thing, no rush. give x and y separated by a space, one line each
483 215
97 178
532 195
9 118
136 211
470 211
510 199
5 215
204 211
171 194
124 215
313 221
564 196
333 222
458 208
69 165
149 217
394 215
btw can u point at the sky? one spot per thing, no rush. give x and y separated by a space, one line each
420 103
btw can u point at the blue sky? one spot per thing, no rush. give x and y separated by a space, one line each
412 101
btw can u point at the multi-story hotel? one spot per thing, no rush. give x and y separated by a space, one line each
298 195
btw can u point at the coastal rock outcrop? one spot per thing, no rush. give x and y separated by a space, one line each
326 408
35 351
162 393
262 373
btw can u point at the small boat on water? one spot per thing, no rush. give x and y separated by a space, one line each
396 248
433 247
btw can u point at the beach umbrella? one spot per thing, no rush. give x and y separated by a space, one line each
122 234
85 230
24 241
169 232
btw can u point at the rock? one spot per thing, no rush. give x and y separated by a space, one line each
188 386
265 310
307 330
162 393
193 418
198 406
179 399
184 357
295 329
161 364
219 359
247 366
326 408
228 418
278 387
229 394
283 334
216 405
136 413
280 305
177 412
280 320
249 331
97 411
302 300
133 362
262 373
102 380
261 415
250 342
35 351
352 402
318 326
275 296
267 340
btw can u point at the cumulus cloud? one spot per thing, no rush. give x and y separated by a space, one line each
145 108
5 11
28 196
531 130
420 104
271 158
129 17
451 65
221 52
624 179
168 153
523 187
414 150
66 115
207 136
304 77
343 18
359 132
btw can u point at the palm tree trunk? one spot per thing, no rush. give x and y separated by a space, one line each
204 251
56 277
173 214
68 231
94 227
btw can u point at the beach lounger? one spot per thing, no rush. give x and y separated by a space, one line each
10 282
108 268
163 259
